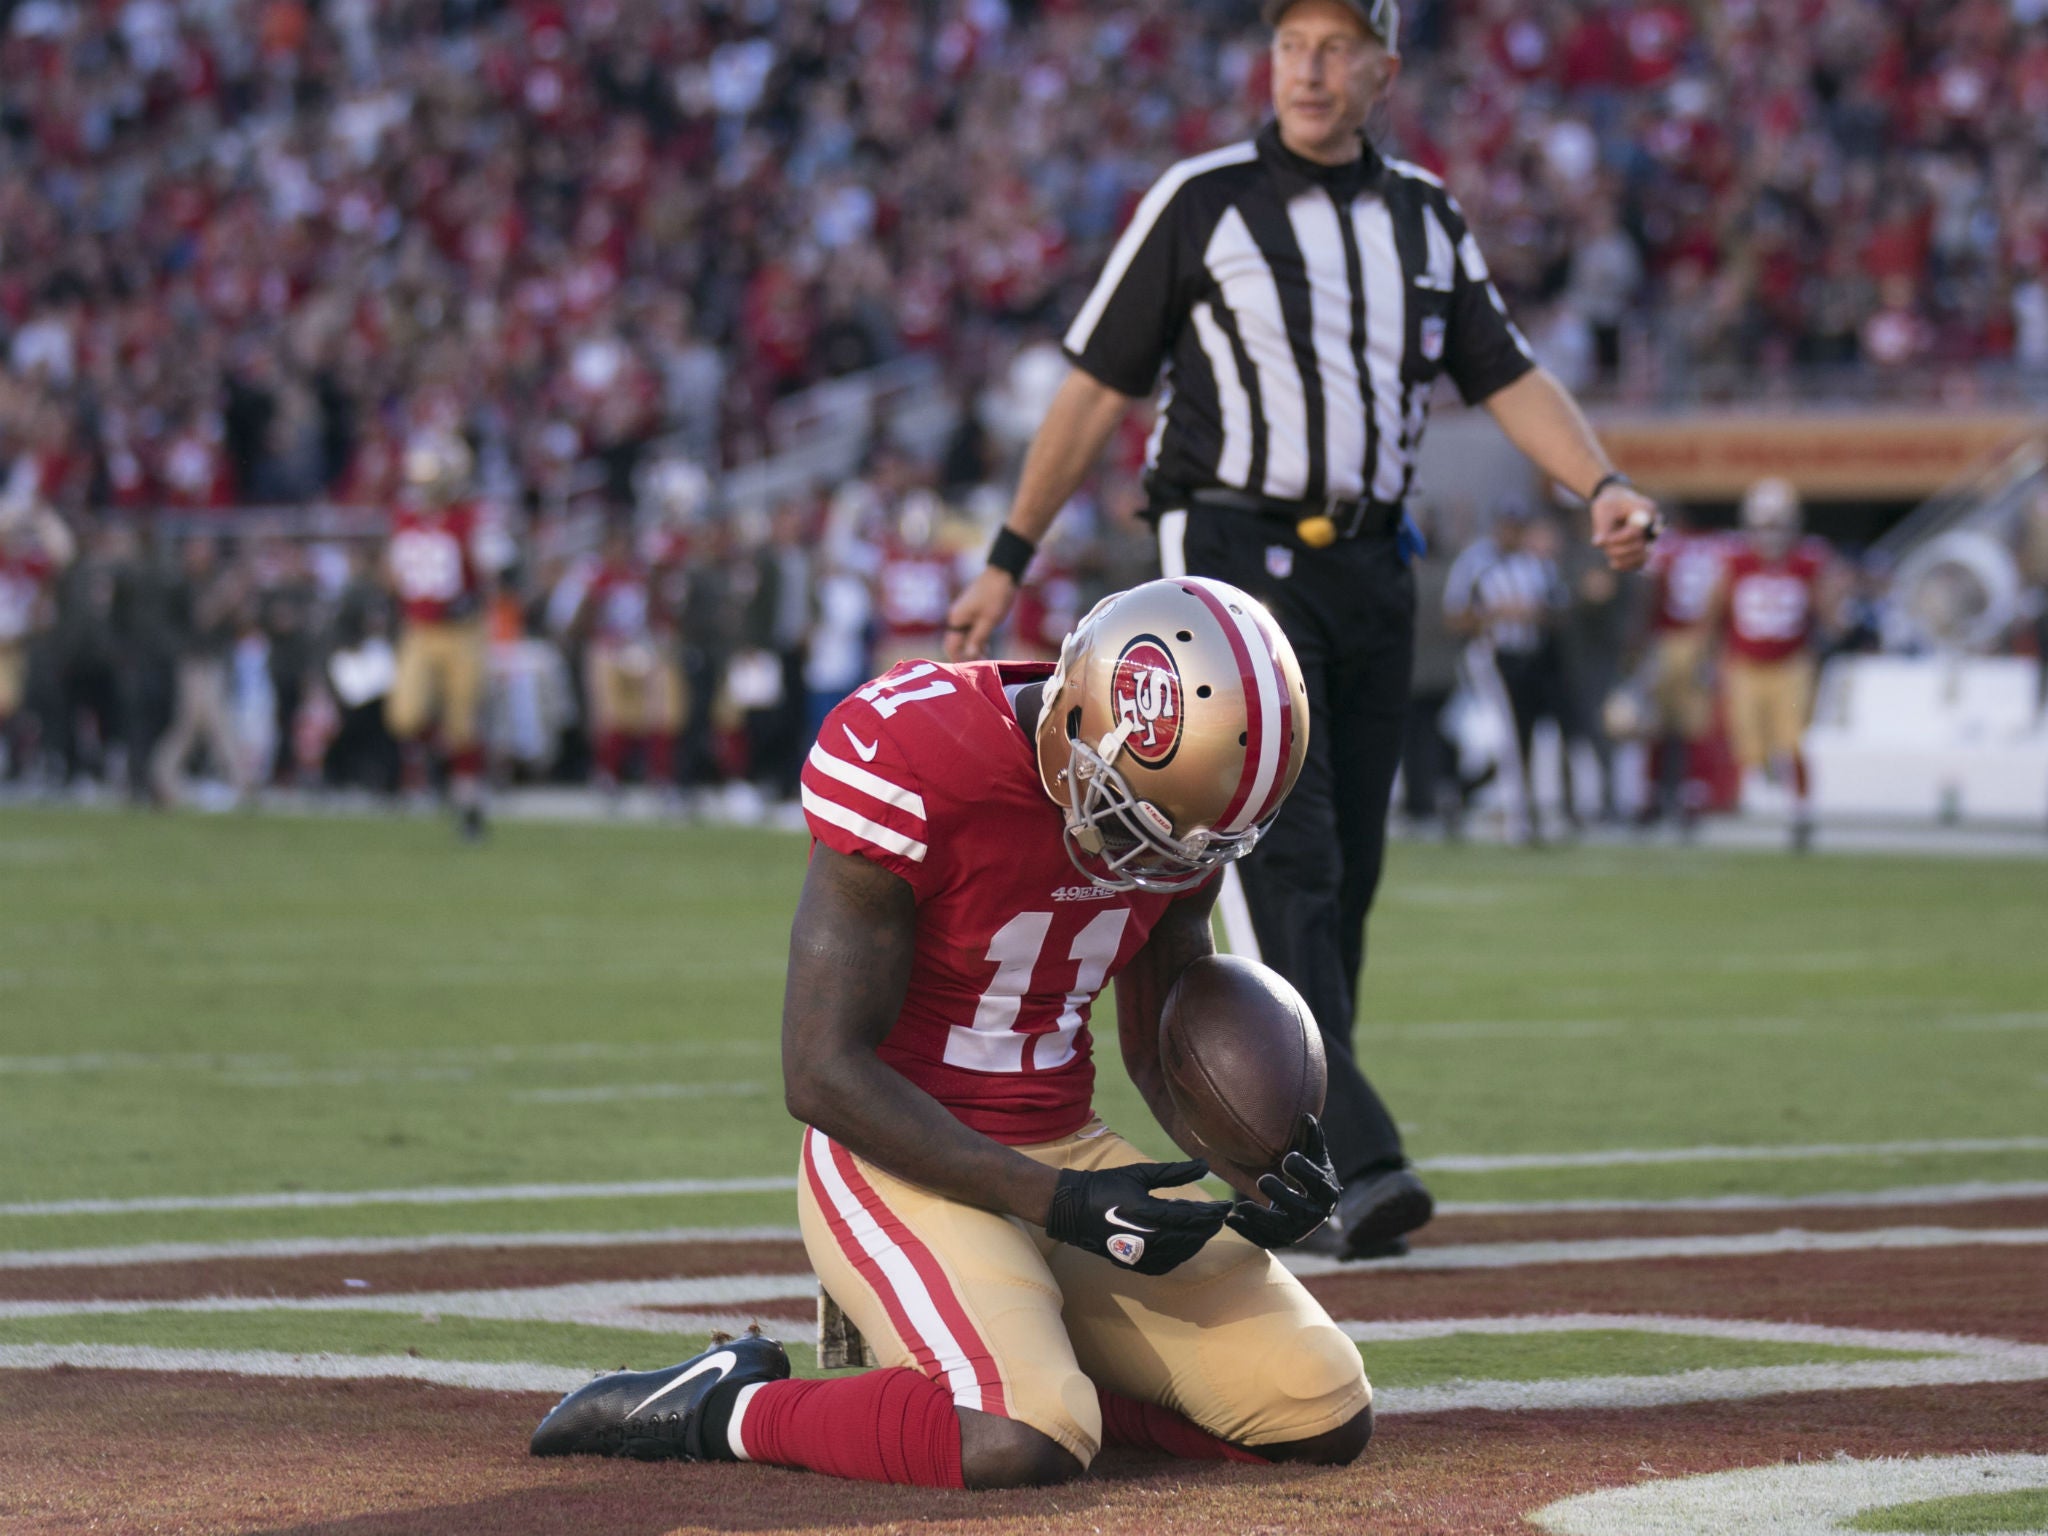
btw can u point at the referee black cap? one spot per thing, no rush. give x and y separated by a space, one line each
1382 18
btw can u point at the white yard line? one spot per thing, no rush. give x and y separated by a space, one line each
256 1362
476 1194
596 1301
1742 1330
1807 1498
452 1194
1970 1192
1631 1249
324 1247
1952 1360
2022 1363
1644 1157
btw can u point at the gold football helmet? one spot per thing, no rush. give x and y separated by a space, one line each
438 464
1173 727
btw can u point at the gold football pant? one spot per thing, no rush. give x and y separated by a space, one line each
13 677
1013 1323
440 674
1678 686
633 687
1769 704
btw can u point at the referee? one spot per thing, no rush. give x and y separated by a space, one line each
1302 293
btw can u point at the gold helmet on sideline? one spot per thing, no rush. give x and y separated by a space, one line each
1173 727
438 465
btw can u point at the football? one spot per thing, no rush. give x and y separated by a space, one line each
1243 1059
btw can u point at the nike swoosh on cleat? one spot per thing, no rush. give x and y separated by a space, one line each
722 1362
867 753
1115 1220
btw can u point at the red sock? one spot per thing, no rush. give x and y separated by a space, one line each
466 763
661 757
611 754
889 1426
1799 777
1149 1427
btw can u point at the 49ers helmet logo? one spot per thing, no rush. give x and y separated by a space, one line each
1146 694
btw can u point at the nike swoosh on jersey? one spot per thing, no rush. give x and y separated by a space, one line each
867 753
722 1362
1115 1220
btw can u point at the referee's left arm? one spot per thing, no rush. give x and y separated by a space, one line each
1491 364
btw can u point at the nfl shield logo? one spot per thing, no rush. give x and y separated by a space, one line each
1126 1249
1433 337
1279 561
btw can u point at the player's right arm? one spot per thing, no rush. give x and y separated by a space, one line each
849 967
1084 413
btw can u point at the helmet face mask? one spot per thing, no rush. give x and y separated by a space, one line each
1172 729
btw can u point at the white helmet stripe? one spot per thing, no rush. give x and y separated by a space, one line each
1267 711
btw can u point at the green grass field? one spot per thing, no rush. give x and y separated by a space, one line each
206 1007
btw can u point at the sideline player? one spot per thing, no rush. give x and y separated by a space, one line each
437 562
994 843
35 545
1685 572
632 675
1766 614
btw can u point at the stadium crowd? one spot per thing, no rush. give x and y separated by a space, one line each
252 249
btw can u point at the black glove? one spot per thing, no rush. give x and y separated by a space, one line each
1113 1212
1302 1199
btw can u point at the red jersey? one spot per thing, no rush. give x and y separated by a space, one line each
1772 604
433 562
1048 607
916 589
22 579
1685 570
926 772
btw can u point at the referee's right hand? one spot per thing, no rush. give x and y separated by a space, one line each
976 613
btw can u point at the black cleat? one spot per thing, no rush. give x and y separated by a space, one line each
656 1415
1377 1211
469 824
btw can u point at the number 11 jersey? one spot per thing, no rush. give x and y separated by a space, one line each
927 773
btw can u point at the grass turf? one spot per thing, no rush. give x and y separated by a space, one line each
1965 1515
1410 1363
225 1005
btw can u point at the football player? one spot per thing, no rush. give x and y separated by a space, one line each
632 675
1766 613
35 545
1685 571
993 843
438 558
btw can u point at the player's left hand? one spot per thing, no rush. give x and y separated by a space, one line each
1625 522
1303 1194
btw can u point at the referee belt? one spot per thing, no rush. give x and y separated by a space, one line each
1317 524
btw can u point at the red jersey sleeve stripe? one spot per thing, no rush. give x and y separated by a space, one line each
873 785
865 828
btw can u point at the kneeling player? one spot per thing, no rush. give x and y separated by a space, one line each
1029 1292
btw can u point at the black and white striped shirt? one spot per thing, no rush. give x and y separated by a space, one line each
1492 582
1302 312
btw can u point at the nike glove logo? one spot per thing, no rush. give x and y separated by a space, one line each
1115 1220
867 753
722 1362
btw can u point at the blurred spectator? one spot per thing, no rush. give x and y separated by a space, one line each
1504 591
1429 762
209 609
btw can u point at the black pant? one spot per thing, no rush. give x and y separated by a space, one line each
1349 612
1429 759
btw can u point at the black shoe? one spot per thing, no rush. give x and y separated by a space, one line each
657 1415
469 825
1378 1208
